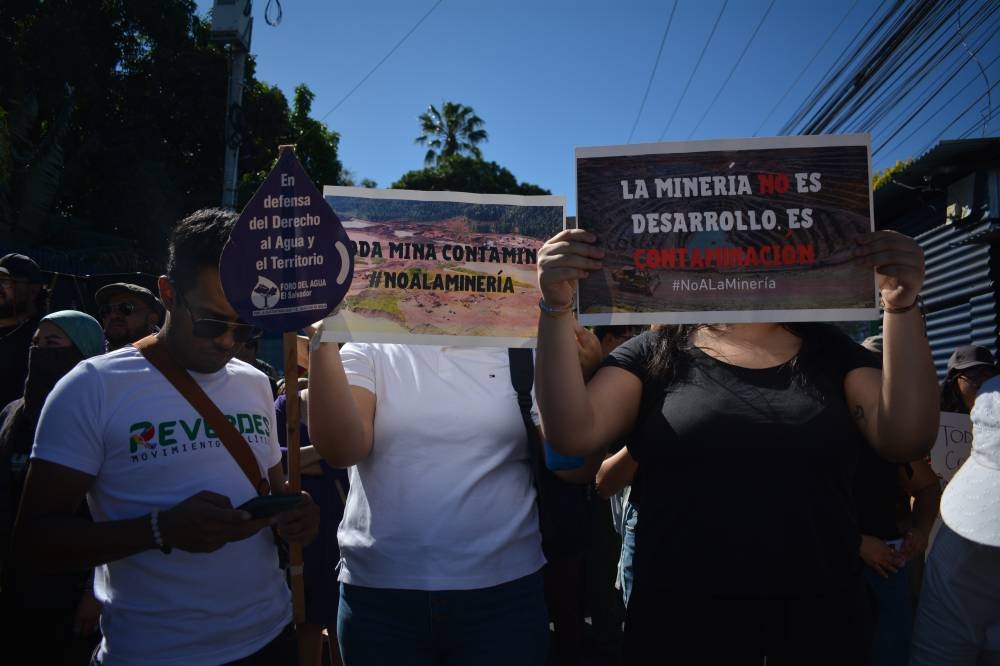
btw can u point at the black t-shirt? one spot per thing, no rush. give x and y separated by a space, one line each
747 474
883 505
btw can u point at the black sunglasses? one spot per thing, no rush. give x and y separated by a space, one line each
124 309
214 328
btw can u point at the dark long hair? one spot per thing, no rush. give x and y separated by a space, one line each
951 400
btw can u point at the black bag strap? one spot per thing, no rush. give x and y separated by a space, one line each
522 377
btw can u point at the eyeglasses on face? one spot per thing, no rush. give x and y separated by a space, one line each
207 327
124 309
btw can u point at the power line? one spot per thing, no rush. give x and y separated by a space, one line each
985 122
866 75
733 70
957 118
693 71
804 69
949 78
837 68
379 63
887 88
918 77
982 70
656 64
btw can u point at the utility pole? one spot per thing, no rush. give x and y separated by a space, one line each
232 24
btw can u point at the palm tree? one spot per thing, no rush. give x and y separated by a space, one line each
453 130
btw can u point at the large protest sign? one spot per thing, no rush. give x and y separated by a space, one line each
953 444
288 262
442 268
727 231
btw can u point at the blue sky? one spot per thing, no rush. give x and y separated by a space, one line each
550 75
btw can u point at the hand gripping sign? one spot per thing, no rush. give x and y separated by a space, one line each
288 262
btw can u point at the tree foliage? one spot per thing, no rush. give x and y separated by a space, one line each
454 130
466 174
112 119
882 177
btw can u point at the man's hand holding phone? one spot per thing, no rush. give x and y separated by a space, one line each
205 522
299 524
266 506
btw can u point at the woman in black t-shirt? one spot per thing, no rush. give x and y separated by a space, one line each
748 436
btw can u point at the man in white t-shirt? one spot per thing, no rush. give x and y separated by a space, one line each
184 577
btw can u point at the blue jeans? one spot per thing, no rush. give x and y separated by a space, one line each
893 619
503 625
630 517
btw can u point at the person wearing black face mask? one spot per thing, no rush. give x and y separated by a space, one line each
60 609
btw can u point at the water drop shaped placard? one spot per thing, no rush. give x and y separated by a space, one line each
288 262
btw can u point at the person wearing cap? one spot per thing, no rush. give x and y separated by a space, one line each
968 367
59 610
129 313
22 303
958 618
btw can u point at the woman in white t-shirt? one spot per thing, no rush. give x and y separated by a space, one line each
441 553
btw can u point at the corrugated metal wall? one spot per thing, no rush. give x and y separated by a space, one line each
960 290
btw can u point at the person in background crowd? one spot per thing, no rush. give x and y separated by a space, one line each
750 554
128 312
968 367
22 304
958 617
55 614
894 537
248 354
183 576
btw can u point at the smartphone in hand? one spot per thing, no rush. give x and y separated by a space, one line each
265 506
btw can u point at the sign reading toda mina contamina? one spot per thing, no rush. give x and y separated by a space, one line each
442 268
727 231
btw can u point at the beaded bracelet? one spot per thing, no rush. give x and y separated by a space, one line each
551 311
154 522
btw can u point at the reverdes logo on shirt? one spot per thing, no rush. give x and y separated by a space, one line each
146 437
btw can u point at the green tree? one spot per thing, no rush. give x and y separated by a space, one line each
454 130
316 145
880 178
111 127
459 173
271 123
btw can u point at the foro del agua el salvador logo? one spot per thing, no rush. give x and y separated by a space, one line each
265 294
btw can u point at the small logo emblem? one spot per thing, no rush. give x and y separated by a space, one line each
265 294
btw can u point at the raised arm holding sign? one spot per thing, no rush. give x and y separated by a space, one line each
764 416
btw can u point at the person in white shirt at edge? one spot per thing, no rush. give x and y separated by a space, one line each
440 544
958 617
184 577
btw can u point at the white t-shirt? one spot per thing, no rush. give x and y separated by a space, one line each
446 499
117 418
